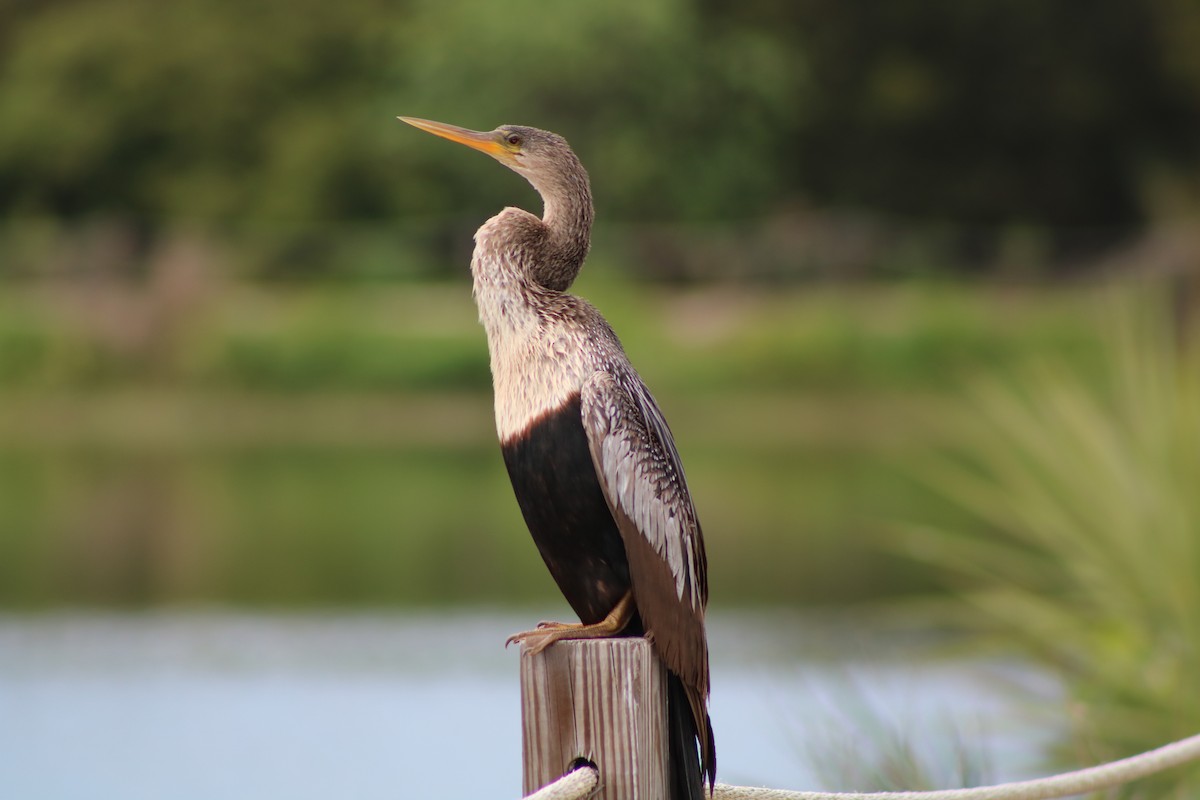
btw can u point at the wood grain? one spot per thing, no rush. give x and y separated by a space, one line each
600 699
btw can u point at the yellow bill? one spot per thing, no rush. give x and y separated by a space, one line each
488 142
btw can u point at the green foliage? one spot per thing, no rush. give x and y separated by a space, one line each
1086 544
992 112
160 446
677 119
205 111
274 120
283 112
426 337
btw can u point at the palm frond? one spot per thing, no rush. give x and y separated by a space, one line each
1085 544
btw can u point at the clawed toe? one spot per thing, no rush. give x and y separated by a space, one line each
536 640
547 633
518 638
541 636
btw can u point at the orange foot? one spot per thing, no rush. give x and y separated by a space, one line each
547 633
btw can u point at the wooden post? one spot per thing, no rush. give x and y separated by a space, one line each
601 699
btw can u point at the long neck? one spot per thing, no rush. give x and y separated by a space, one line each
568 219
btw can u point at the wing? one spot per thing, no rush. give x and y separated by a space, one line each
643 482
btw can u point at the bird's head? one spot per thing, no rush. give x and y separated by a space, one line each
546 161
543 158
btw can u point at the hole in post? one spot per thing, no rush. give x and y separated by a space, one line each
580 763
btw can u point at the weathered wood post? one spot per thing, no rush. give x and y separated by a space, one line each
603 700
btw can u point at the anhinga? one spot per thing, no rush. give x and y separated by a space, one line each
590 456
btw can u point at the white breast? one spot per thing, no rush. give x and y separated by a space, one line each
537 366
534 371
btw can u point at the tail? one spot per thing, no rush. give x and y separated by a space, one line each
692 751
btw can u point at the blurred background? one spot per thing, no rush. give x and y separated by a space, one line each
914 283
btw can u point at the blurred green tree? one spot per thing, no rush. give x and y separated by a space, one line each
990 113
277 116
210 111
229 112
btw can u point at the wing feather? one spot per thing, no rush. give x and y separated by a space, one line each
643 481
640 473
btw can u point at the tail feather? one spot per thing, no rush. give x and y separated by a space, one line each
690 769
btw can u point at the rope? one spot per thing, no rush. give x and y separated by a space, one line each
581 782
575 785
1104 776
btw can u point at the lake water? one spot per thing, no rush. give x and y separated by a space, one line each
199 706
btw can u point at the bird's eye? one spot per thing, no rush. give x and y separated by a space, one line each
514 139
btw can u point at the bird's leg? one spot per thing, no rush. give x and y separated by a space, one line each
547 633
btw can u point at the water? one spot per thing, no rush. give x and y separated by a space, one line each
228 706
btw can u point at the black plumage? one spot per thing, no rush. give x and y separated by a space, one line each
551 470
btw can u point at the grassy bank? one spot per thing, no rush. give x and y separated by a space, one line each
314 446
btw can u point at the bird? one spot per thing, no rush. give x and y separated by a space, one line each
592 461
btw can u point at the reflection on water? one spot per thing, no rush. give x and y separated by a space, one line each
406 522
228 706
